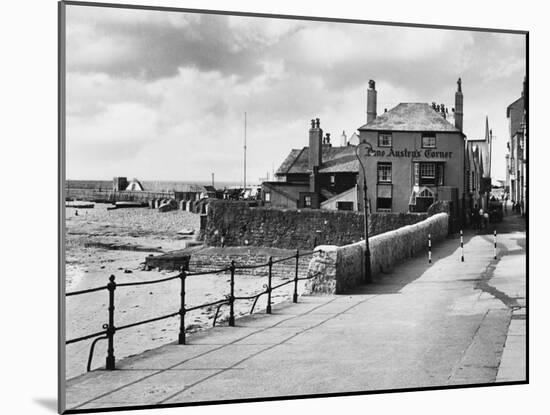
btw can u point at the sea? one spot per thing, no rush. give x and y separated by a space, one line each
153 185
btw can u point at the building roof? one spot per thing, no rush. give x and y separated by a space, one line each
515 112
517 102
335 160
289 190
409 116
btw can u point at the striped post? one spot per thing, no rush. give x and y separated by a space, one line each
461 246
269 276
232 295
495 245
295 295
429 248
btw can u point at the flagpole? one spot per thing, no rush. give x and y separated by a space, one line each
244 152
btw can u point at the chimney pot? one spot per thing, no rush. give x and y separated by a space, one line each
315 144
385 110
317 123
371 101
459 106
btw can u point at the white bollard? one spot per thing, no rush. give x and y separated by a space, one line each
495 245
429 248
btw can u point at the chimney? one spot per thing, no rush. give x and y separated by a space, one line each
315 144
371 102
458 105
326 140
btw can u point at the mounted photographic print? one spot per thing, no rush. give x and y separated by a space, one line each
260 207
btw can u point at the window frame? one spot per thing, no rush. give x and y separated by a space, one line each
307 201
378 170
425 180
428 135
384 209
385 134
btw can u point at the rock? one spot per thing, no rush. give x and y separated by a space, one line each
128 271
168 205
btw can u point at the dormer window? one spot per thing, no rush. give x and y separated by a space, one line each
385 140
428 140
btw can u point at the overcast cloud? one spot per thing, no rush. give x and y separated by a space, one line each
159 95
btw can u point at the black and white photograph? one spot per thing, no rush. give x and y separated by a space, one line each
268 207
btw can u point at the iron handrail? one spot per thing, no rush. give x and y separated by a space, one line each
89 290
129 284
110 329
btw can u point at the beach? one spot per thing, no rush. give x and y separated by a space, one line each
101 242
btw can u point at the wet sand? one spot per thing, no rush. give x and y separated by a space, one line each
88 265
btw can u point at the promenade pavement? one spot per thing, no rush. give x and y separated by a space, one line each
421 325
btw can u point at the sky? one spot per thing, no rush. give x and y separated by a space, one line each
162 95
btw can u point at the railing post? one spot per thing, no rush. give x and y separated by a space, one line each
461 246
110 361
295 296
232 295
268 308
181 339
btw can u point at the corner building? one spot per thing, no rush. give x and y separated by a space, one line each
417 157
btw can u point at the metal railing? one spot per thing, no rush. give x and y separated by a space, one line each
109 329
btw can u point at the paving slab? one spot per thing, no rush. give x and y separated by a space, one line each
451 323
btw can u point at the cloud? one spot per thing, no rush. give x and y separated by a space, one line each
156 45
173 87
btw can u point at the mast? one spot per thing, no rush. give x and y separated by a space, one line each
244 152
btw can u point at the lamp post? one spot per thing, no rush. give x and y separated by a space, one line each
369 152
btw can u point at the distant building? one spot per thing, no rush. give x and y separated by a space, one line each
418 158
478 170
135 186
516 159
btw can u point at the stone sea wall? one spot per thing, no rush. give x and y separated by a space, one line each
237 224
341 269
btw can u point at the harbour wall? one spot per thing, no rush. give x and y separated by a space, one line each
236 224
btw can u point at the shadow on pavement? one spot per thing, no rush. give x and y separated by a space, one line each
391 283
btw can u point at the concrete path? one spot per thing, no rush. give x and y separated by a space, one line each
448 323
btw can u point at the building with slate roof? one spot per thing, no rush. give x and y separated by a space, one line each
478 170
312 175
418 158
516 159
